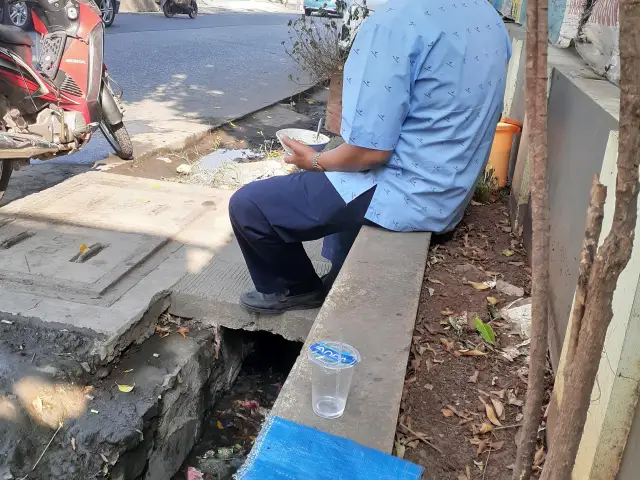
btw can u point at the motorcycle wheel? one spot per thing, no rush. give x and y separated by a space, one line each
118 138
167 10
6 168
193 11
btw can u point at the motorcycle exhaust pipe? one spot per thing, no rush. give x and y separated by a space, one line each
18 145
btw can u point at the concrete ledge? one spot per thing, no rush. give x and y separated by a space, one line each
372 306
210 295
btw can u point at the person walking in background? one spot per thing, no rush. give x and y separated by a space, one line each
423 92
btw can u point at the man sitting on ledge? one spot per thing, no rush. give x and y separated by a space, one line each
423 92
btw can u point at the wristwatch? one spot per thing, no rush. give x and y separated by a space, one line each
315 165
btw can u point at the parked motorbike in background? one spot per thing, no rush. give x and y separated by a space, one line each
53 109
173 7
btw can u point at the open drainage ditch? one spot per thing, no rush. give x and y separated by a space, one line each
188 396
234 420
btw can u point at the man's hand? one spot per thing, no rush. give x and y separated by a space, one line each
302 156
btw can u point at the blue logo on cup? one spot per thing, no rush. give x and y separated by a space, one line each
323 350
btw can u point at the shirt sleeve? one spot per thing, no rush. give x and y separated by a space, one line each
377 87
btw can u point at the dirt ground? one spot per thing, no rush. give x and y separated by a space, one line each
256 131
463 397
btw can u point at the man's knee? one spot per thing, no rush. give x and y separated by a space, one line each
243 206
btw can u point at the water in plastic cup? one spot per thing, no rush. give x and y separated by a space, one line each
332 365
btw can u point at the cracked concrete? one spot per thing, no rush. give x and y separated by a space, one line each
152 233
145 434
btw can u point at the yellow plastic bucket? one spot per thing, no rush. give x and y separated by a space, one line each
501 149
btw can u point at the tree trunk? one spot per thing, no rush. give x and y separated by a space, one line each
595 215
611 258
536 76
334 104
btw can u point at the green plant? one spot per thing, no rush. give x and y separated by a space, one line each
485 330
319 46
486 186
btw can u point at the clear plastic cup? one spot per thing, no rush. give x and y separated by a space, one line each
332 368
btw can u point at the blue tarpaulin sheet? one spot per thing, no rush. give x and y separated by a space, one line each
285 450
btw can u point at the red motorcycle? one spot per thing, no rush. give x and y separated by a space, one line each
53 108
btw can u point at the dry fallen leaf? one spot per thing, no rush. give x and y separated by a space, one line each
472 353
37 405
104 458
126 388
446 412
484 428
499 408
516 264
513 400
474 378
481 444
433 280
219 425
183 331
466 475
83 248
163 331
492 300
507 253
491 414
400 449
448 344
411 380
479 285
457 412
429 364
539 457
496 446
428 386
73 443
447 312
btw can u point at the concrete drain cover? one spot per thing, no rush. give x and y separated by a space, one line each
94 251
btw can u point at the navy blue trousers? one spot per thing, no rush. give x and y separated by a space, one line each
271 218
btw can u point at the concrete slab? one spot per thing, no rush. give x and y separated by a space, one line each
141 236
372 306
211 296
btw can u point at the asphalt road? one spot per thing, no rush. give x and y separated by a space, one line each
181 75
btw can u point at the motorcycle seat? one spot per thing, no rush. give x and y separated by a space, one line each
14 36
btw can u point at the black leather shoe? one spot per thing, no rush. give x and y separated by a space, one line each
281 302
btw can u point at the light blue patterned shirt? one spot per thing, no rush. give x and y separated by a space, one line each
424 79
